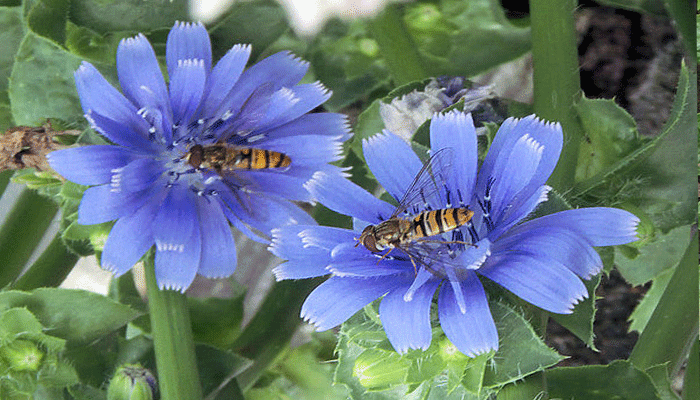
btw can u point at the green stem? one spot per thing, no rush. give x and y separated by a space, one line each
22 231
50 269
556 78
5 180
172 339
398 49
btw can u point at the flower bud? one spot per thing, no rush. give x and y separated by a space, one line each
132 382
22 355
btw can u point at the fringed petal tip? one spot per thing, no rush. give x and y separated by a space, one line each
188 25
171 286
133 41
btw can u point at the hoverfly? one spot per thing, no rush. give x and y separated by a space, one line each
414 236
222 158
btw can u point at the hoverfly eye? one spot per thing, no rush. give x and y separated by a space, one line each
195 156
370 243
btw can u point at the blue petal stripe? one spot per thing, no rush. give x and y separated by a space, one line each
407 323
343 196
456 130
187 82
392 162
546 284
140 77
325 149
337 299
89 165
129 239
218 258
600 226
472 332
178 240
187 41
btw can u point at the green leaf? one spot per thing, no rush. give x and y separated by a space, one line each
48 18
217 368
41 84
258 23
348 62
654 258
75 315
217 321
611 134
659 377
10 36
464 38
691 383
617 380
682 13
22 231
676 316
127 15
642 312
521 351
98 47
658 177
580 322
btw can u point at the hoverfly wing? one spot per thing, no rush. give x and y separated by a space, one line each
252 111
428 185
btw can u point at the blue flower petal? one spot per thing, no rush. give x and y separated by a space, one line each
456 130
472 332
337 299
140 76
343 196
518 209
352 259
520 160
392 162
218 247
327 124
187 41
281 184
89 165
307 248
102 204
276 71
558 243
291 103
187 82
108 110
325 149
129 239
138 175
600 226
543 282
178 240
407 323
223 77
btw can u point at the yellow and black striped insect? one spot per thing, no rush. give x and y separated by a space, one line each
222 158
417 235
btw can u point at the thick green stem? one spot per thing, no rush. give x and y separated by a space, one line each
557 82
22 231
50 269
398 49
178 378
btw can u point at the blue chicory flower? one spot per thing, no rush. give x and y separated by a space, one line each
540 260
148 185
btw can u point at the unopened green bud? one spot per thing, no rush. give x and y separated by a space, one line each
132 382
22 355
377 369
